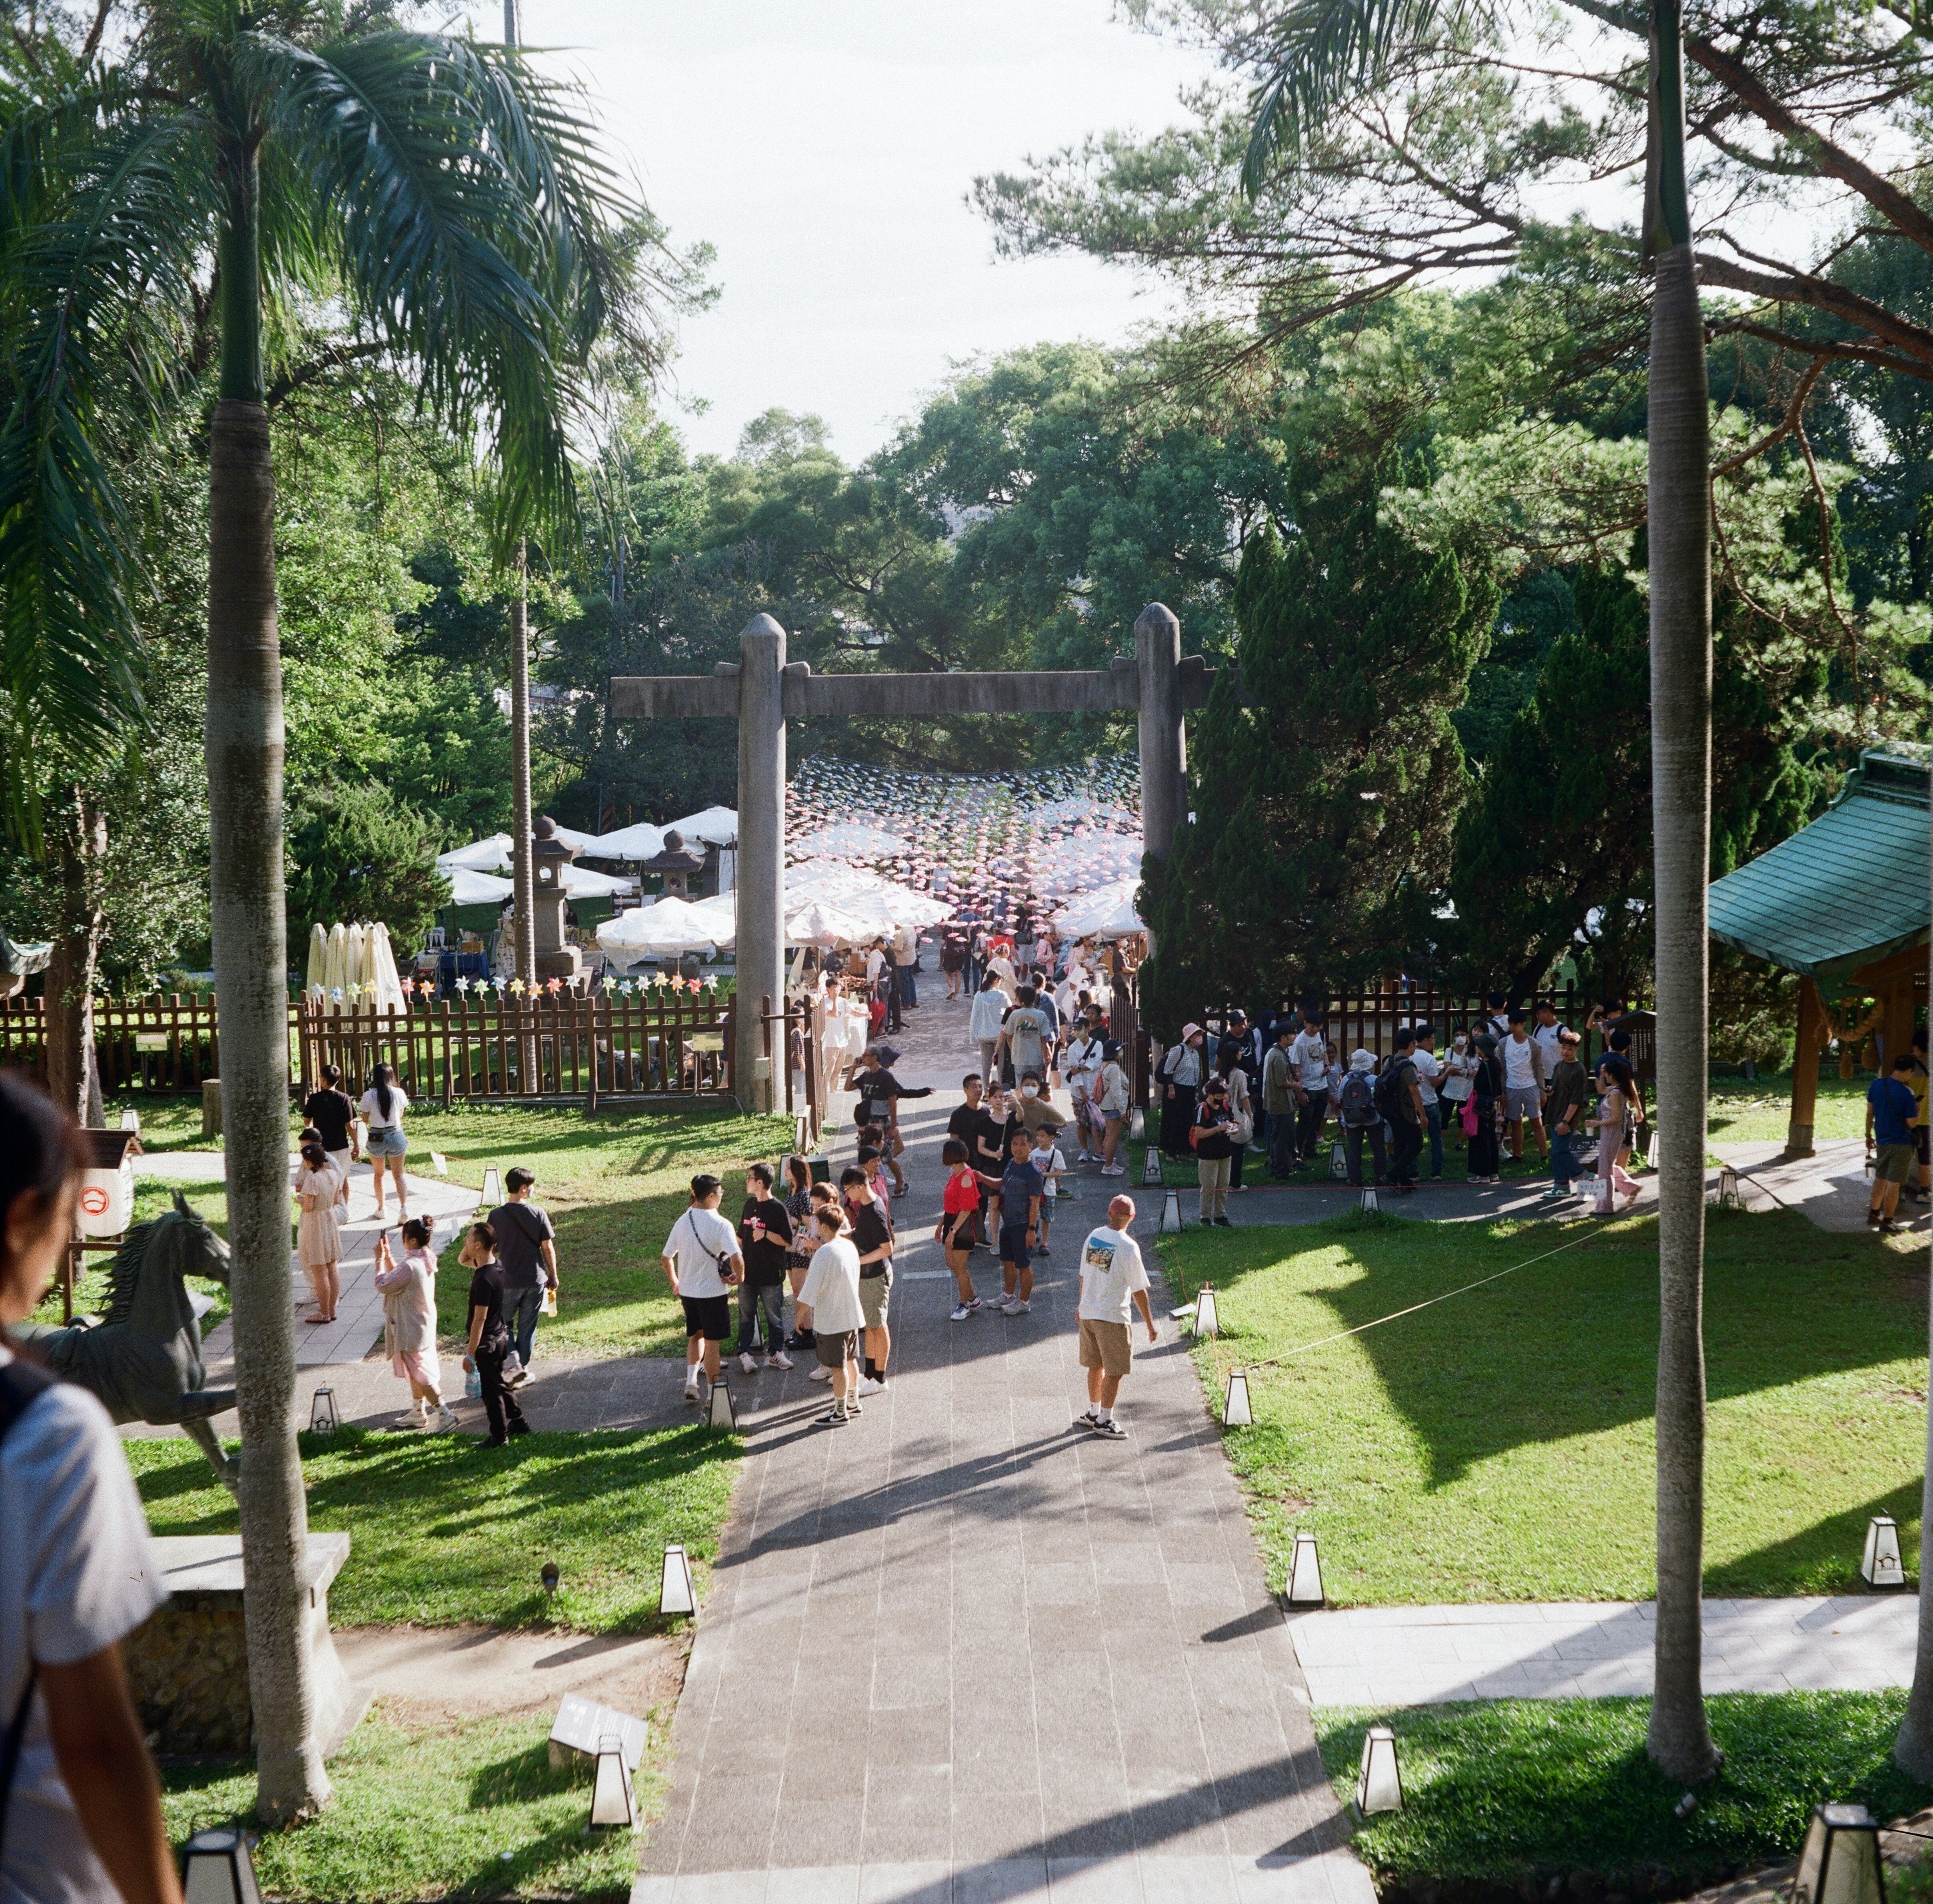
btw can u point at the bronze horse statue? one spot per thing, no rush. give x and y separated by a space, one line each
143 1359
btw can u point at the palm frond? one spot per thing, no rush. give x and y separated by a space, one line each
1319 52
96 272
471 217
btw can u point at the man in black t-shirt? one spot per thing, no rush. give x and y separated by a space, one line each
527 1248
765 1236
330 1110
873 1237
879 1093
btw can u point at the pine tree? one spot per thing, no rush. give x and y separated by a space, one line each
1326 777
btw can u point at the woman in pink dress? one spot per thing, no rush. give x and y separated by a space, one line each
318 1234
409 1324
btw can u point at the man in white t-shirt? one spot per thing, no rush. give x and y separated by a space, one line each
875 961
1309 1055
1429 1069
1523 1084
1113 1282
702 1260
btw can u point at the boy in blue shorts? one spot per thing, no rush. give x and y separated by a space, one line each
1017 1202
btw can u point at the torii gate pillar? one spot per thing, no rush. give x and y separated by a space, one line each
762 792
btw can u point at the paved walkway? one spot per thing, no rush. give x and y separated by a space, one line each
1831 1188
1414 1656
958 1650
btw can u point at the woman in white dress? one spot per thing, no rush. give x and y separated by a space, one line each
318 1234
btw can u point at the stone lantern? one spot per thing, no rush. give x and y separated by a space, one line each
549 856
678 863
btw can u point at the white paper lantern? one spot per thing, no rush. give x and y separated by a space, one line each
1881 1566
1235 1409
1305 1573
1379 1782
1840 1863
676 1594
614 1803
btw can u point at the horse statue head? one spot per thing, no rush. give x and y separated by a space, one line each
144 1289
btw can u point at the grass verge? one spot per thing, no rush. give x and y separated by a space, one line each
1499 1445
1509 1789
444 1532
471 1809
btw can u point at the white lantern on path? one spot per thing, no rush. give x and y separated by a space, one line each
1235 1409
675 1592
1171 1214
614 1803
1379 1782
1206 1322
1840 1863
1150 1166
1881 1566
491 1194
1305 1573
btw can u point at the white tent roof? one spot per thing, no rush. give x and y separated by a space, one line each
581 882
823 922
642 841
484 855
469 888
717 826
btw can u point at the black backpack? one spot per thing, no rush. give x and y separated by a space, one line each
1392 1090
1356 1103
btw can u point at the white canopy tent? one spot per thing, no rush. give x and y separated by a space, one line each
468 888
484 855
642 841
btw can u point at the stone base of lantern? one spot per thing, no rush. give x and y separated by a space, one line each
566 963
189 1664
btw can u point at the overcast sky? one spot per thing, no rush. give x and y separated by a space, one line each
826 150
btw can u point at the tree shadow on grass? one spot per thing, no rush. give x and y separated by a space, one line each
1824 1558
1567 1346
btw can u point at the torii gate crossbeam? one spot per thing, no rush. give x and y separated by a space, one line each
764 692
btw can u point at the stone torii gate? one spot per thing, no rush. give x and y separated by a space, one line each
765 691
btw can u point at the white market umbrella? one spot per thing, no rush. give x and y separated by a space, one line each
642 841
355 959
1108 913
484 855
318 958
717 826
468 888
823 922
336 969
665 930
719 913
581 882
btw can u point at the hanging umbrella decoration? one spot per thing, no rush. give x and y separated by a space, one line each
990 848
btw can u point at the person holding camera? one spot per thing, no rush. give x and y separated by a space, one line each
702 1263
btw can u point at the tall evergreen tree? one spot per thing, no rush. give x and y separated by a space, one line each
1326 777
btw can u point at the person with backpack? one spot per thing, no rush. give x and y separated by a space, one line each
80 1806
1182 1067
1480 1113
1356 1106
1399 1098
1213 1134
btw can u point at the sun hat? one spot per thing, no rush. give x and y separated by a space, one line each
1190 1031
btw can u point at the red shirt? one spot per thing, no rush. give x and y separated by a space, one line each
963 1194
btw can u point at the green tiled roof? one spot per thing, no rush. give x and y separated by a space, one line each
1848 889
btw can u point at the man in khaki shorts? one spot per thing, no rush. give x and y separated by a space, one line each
1113 1281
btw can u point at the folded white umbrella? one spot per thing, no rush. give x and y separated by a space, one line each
382 973
318 958
717 826
642 841
355 958
335 968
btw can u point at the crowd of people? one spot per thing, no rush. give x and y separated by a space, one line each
1512 1083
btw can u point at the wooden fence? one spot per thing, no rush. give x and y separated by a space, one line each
163 1042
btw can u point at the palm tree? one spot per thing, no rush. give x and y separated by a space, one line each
451 200
1319 50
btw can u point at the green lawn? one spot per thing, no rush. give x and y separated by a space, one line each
473 1809
1513 1791
152 1196
1499 1446
170 1120
1750 1112
446 1532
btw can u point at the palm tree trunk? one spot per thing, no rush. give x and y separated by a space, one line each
1678 520
79 839
245 787
1912 1749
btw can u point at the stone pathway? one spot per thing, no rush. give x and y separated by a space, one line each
1414 1656
959 1650
1831 1188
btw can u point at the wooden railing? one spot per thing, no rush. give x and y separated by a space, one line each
163 1042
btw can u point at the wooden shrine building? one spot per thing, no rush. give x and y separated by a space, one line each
1843 903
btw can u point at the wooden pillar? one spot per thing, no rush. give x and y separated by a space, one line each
1895 1024
1805 1069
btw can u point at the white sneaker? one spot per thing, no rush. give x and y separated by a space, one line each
961 1311
780 1359
820 1372
411 1419
441 1422
1114 1169
1020 1308
871 1384
746 1362
691 1393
